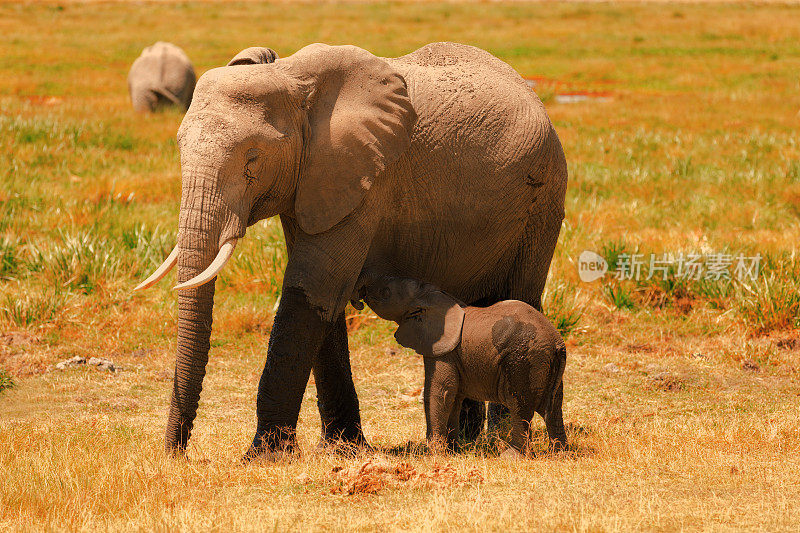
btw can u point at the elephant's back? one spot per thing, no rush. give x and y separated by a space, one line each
476 108
478 170
162 51
461 60
469 84
524 317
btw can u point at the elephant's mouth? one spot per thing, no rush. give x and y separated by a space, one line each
261 208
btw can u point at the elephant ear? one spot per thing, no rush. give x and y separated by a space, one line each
255 55
434 326
360 120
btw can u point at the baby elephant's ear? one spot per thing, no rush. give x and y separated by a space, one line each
255 55
435 328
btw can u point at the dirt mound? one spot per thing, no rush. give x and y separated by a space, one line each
374 475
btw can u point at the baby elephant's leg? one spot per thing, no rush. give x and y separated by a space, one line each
452 423
520 429
554 420
441 389
439 406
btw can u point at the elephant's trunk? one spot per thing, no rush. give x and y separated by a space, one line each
204 223
194 332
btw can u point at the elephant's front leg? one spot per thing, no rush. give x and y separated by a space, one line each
297 335
336 393
326 267
440 396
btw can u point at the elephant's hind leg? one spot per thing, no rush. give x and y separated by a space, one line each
336 394
527 281
529 271
554 420
520 428
532 265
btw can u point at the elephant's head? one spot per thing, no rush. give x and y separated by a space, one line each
303 137
429 320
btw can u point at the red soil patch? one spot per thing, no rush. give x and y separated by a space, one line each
377 474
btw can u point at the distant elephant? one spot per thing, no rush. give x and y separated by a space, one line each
162 76
441 165
507 353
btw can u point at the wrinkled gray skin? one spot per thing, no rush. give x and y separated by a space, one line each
507 353
439 165
162 76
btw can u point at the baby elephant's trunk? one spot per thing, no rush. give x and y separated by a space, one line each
553 418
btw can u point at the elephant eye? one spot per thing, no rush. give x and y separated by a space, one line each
385 293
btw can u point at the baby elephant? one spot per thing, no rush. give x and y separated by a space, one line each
161 77
508 353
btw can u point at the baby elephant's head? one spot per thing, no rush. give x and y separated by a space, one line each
429 320
392 298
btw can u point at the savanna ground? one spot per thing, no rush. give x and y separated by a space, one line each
681 396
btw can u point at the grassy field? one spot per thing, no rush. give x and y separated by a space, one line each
682 396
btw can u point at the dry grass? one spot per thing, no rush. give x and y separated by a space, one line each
681 396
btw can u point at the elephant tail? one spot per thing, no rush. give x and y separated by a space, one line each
166 93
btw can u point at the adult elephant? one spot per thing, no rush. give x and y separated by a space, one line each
441 165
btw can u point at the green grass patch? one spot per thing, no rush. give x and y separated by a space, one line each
6 381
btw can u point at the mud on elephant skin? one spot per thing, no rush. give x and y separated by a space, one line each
373 165
162 76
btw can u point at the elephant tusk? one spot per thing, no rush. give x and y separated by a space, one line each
161 271
213 269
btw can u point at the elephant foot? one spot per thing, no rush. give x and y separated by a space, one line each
344 448
345 435
558 446
336 430
267 456
272 445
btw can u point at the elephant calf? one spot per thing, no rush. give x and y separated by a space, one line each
508 353
161 77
